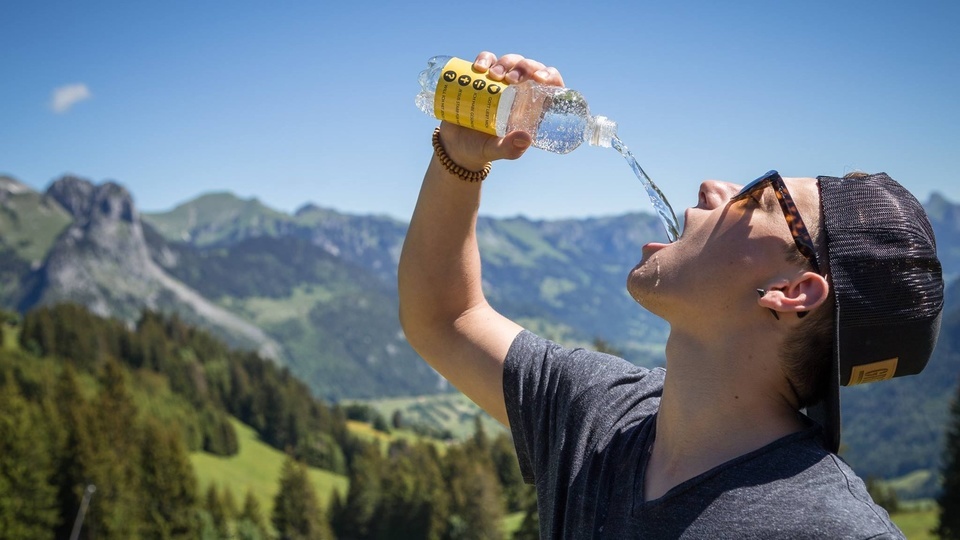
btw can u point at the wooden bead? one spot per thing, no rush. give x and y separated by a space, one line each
453 168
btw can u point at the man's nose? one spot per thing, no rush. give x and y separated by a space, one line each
714 193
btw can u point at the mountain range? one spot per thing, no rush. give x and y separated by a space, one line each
315 291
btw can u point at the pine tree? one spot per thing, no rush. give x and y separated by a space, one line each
214 506
251 524
27 496
949 500
476 507
480 439
171 507
38 334
274 412
296 511
219 436
413 503
76 458
353 519
229 503
115 470
151 348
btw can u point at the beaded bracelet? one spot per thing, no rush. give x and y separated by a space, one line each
453 168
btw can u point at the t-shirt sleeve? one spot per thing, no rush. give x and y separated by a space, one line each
563 402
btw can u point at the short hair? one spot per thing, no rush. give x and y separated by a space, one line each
808 353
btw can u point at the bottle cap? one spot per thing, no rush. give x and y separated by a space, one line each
604 131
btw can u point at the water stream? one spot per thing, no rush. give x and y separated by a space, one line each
660 203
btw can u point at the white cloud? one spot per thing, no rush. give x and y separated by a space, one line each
69 95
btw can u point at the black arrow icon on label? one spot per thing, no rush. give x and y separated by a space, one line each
450 75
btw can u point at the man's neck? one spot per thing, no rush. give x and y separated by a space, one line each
720 401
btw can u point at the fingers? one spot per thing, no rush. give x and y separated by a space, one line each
483 61
549 75
514 68
471 148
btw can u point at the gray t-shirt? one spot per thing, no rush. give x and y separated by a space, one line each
583 424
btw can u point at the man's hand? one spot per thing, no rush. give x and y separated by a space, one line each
472 149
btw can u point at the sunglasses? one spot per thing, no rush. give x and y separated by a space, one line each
801 236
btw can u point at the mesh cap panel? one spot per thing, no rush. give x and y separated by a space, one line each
887 282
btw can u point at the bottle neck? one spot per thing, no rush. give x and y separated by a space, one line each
601 132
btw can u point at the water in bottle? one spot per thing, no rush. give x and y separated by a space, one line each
558 119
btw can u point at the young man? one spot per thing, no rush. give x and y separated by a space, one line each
776 294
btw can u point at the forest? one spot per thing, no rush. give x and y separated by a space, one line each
97 422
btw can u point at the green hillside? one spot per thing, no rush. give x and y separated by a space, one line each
255 468
151 418
29 221
203 220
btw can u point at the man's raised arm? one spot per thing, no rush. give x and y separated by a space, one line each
443 311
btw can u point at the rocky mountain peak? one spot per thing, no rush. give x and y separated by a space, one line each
88 202
74 194
113 202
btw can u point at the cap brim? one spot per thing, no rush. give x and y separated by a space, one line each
827 412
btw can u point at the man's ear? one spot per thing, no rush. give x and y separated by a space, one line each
805 292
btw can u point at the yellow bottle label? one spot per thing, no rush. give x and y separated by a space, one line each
467 98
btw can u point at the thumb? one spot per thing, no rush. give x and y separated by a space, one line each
511 146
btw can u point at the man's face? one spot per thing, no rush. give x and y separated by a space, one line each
727 251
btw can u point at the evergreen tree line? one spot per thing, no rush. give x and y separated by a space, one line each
416 491
217 380
62 447
70 429
948 345
60 443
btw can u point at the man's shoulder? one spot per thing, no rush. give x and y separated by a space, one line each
566 403
801 486
579 380
531 351
792 489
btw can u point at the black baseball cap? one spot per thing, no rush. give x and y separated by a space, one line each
887 283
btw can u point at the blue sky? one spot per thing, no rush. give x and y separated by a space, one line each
296 102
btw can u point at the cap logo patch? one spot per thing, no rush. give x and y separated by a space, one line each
874 372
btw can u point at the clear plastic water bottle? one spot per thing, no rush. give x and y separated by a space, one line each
557 118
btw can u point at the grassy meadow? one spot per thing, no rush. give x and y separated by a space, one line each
256 468
452 412
917 519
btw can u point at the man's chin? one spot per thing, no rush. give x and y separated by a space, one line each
644 280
